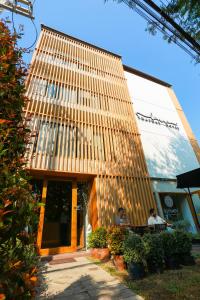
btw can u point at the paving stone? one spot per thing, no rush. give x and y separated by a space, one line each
136 297
83 280
105 297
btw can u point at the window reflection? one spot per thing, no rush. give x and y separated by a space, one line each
82 201
57 220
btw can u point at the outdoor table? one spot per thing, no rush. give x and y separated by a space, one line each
139 229
142 229
157 228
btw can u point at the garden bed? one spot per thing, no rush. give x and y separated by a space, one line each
172 284
196 242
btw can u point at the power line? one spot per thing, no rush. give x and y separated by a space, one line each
174 24
155 16
159 20
35 28
36 36
13 24
146 17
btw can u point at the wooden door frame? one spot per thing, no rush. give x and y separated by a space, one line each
64 249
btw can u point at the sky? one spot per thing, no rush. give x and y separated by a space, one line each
118 29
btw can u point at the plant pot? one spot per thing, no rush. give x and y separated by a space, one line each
136 270
187 260
94 252
104 254
100 253
119 262
172 263
196 241
152 268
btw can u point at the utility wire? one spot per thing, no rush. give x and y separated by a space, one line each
36 32
36 36
159 20
13 24
170 29
165 6
154 15
185 34
158 26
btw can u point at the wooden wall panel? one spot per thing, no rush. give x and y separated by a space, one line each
42 212
74 215
83 119
92 205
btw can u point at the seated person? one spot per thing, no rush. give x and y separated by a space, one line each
154 219
121 218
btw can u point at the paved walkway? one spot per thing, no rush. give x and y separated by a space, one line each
196 249
77 278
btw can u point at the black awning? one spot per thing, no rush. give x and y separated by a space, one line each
189 179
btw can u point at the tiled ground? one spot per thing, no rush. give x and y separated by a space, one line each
80 279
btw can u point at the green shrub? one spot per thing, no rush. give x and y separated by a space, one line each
153 247
169 243
176 243
98 238
18 208
183 243
115 237
195 236
183 225
134 249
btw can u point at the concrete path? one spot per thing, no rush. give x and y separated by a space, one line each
80 279
195 249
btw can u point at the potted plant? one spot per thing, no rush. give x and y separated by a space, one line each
97 240
154 253
115 237
134 255
183 225
183 248
196 239
169 247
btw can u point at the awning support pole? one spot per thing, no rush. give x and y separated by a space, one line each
192 208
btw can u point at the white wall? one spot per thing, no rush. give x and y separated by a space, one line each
167 150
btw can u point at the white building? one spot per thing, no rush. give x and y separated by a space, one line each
169 145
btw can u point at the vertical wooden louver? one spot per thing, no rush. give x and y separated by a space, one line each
84 123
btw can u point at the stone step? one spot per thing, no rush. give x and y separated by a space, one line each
65 256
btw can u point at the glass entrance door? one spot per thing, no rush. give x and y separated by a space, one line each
57 226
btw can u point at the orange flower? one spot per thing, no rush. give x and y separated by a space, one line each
30 282
7 202
2 297
33 280
2 121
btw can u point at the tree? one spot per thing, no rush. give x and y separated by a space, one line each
187 14
18 207
179 21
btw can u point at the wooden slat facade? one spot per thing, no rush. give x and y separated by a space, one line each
84 123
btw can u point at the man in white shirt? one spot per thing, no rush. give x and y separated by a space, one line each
155 219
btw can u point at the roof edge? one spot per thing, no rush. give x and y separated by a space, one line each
146 76
79 40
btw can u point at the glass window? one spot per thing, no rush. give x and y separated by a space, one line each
57 219
82 202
